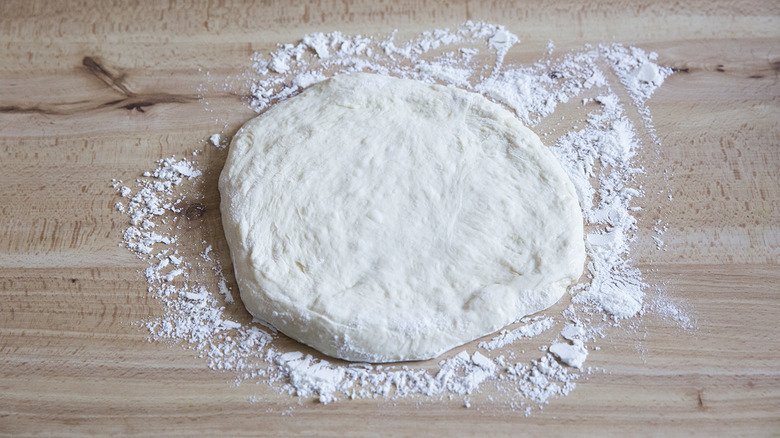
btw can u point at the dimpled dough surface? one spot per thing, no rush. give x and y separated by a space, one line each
381 219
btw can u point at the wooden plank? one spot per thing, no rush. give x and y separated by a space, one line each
95 91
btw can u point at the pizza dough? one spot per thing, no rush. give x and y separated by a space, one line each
380 219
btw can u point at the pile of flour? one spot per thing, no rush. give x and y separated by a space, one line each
598 154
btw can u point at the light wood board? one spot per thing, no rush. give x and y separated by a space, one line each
91 92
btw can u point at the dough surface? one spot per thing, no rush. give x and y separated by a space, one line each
380 219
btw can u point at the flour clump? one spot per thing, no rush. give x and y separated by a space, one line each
379 219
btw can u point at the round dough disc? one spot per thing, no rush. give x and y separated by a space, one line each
381 219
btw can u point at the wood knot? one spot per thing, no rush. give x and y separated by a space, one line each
194 211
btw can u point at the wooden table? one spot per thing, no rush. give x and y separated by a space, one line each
90 92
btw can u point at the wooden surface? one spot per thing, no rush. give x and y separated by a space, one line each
94 92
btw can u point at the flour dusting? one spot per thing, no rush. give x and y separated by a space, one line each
599 154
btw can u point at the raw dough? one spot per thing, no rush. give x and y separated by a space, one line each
381 219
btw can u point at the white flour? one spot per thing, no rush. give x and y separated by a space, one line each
599 157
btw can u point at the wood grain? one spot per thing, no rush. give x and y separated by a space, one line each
95 91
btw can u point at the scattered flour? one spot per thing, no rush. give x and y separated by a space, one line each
507 337
599 157
216 140
573 354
